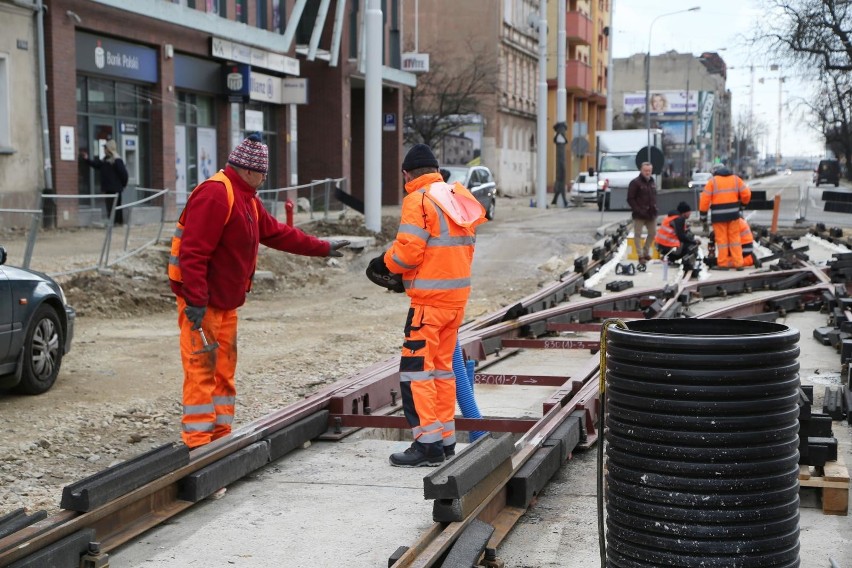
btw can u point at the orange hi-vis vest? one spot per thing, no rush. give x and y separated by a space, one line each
666 235
174 256
746 237
434 245
723 196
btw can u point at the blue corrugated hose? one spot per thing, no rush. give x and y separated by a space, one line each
464 390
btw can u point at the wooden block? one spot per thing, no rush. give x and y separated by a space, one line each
804 472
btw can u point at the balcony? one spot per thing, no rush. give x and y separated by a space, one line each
578 77
578 28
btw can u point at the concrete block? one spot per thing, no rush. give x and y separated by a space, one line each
104 486
205 481
533 476
833 403
397 554
567 436
456 510
459 475
287 439
470 545
64 552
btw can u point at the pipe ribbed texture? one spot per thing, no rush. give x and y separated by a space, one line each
702 444
464 391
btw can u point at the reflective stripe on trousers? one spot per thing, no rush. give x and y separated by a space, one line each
729 252
208 378
427 382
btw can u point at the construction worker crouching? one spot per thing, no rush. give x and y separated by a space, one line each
674 241
213 259
747 241
723 197
433 252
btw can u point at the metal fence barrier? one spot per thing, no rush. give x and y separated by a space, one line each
94 245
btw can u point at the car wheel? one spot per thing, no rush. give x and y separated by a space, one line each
42 352
489 213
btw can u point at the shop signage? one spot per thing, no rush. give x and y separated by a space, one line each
107 56
232 51
278 91
237 81
415 62
294 91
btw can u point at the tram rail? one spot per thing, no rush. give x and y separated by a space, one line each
368 399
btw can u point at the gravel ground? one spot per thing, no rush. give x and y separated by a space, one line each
118 394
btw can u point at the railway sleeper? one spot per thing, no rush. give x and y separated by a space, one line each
458 476
64 553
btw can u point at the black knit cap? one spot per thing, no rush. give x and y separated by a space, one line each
420 156
683 207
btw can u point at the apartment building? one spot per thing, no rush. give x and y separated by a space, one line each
586 70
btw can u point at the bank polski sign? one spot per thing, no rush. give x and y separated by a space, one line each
106 56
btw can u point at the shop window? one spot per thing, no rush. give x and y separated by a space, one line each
194 112
354 27
100 96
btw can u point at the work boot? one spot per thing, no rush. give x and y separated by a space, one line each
419 455
757 263
449 450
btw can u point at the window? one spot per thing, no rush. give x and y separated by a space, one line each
262 14
5 104
279 15
241 8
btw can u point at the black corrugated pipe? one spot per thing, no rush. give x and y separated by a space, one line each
702 444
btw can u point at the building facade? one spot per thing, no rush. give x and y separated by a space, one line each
587 24
178 84
497 34
688 101
22 167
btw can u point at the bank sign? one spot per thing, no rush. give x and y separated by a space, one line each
106 56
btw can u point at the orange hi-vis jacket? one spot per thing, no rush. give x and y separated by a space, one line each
746 237
434 245
666 235
722 196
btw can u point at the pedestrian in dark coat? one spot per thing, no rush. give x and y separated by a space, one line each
113 176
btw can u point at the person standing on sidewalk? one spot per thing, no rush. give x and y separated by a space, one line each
114 177
642 199
212 262
433 252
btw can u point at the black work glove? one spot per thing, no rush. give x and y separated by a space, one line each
335 246
378 265
195 314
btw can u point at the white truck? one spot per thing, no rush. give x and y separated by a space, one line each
616 160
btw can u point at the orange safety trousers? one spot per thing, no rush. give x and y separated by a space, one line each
729 252
209 391
427 381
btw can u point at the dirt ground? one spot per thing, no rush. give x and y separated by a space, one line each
315 321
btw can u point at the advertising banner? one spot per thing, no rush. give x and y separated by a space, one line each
180 164
206 153
662 102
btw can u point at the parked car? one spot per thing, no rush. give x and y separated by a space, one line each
699 180
585 187
828 171
479 181
36 328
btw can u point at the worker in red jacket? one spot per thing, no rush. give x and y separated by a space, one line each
212 262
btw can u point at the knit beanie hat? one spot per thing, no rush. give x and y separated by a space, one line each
683 207
420 156
251 154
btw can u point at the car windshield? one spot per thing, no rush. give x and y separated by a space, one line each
457 175
618 163
701 176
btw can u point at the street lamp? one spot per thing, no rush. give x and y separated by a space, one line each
648 72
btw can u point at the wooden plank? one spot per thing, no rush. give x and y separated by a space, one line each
804 472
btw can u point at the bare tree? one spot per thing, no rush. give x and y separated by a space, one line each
449 97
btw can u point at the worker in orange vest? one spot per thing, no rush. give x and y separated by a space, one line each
674 240
433 252
750 257
723 197
212 262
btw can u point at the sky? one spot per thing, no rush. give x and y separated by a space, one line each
720 24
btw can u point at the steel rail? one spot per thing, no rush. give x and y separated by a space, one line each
127 516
